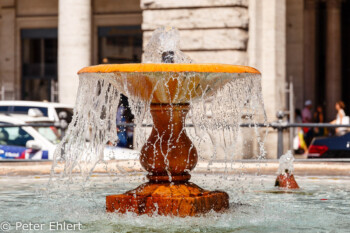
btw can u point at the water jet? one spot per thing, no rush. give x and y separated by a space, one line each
286 179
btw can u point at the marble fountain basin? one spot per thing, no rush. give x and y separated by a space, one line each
166 82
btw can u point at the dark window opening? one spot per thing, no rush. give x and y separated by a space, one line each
346 54
121 44
39 64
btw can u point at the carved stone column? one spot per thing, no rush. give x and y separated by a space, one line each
309 90
333 56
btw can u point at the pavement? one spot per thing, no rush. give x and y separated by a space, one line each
301 168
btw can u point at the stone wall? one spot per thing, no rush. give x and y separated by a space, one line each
211 31
115 6
36 8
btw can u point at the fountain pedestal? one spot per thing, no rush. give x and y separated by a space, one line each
168 156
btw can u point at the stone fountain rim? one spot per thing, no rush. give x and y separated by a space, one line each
169 67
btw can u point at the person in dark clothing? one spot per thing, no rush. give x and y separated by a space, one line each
319 118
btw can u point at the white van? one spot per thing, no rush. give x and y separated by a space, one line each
49 110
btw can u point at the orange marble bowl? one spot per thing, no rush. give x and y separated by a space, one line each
169 67
167 82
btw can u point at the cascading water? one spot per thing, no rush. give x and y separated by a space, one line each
219 102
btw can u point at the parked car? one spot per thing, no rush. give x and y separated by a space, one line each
50 110
39 142
27 142
330 147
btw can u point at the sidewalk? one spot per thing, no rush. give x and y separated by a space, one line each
308 168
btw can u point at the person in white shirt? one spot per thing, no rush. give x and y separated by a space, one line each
341 118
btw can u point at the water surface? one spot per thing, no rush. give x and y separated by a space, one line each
322 205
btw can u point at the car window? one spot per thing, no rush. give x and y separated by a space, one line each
50 133
4 108
69 112
15 136
24 109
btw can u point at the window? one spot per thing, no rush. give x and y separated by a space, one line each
4 108
24 109
14 136
120 44
50 133
39 64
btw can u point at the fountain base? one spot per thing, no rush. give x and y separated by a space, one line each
175 199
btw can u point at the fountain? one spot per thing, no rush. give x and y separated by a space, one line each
168 155
285 178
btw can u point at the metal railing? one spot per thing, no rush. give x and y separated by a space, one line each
57 125
280 125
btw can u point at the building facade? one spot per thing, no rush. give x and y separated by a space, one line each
43 43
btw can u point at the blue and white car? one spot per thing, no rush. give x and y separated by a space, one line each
27 142
39 142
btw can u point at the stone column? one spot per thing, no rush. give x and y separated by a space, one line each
74 45
8 82
333 57
309 85
267 52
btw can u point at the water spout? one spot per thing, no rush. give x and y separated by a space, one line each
285 179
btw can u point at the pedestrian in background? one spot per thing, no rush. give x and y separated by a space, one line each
319 118
299 144
307 118
341 118
306 113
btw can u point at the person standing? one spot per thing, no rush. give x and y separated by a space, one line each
306 113
341 119
319 118
307 118
299 144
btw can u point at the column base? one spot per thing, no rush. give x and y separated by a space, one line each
175 199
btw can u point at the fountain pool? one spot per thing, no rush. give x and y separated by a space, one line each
217 99
321 205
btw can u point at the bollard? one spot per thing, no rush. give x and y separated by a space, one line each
279 126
